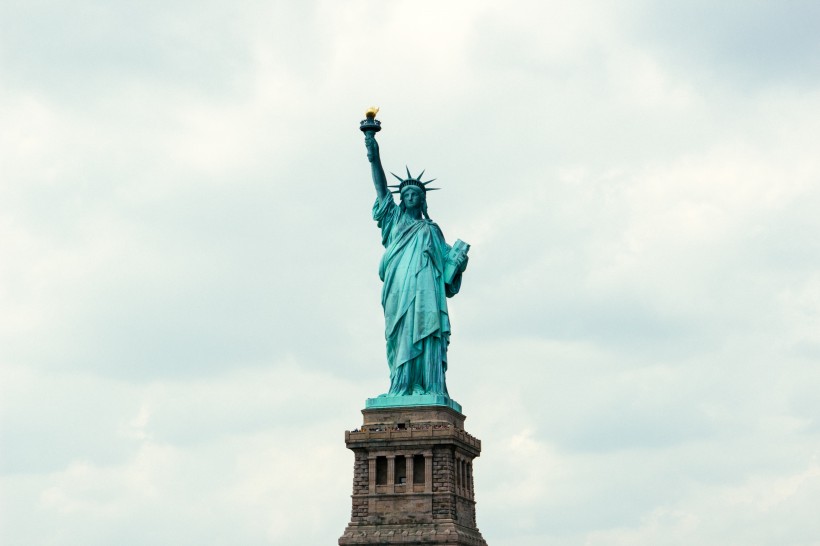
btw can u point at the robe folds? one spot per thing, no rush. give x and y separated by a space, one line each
414 298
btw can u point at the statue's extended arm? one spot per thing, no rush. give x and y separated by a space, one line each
379 179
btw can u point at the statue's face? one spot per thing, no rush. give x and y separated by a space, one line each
412 197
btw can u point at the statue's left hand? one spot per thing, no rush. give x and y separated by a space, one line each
462 263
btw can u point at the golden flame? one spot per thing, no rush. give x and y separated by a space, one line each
371 112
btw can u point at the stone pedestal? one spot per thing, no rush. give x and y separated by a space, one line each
413 479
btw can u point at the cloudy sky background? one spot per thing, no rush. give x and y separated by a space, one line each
189 299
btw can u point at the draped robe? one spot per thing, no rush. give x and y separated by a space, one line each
417 326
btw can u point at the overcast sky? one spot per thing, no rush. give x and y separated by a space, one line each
189 298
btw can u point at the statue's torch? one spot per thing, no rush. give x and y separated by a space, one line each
370 123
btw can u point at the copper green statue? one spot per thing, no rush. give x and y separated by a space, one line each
419 271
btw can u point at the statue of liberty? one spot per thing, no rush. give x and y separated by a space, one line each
419 271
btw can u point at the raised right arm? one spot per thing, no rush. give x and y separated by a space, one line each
376 169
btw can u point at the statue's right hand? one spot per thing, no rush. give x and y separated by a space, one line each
372 146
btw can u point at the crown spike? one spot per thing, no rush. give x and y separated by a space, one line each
410 181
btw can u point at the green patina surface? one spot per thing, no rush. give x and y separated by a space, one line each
412 400
419 271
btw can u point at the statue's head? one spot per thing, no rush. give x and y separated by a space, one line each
413 197
413 192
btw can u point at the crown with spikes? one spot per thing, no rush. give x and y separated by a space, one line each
410 181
